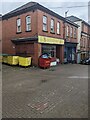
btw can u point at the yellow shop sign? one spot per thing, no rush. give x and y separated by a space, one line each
49 40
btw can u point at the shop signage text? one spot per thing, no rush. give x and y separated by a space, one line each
49 40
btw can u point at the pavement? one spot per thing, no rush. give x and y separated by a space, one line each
57 92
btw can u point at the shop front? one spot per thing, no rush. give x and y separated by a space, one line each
52 46
70 52
36 46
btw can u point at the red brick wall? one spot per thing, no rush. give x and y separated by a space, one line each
9 30
85 38
60 53
84 43
9 33
37 53
71 39
59 48
40 25
84 28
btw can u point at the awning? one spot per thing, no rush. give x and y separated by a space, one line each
28 39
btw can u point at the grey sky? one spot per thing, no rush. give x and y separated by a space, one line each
81 12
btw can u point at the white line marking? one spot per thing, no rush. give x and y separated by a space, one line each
83 77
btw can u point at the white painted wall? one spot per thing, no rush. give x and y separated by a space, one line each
79 37
79 33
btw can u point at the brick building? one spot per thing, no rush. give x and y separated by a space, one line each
83 47
31 30
70 37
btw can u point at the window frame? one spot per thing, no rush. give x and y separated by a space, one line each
52 27
67 31
58 29
28 23
75 32
18 26
71 32
44 24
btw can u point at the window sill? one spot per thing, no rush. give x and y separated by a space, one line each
28 31
18 32
58 34
44 30
52 32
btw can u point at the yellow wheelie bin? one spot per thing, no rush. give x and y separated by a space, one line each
13 60
1 58
24 61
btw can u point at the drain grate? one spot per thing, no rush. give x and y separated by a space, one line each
44 81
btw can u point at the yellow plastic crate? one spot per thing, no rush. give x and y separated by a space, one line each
13 60
1 59
5 60
24 61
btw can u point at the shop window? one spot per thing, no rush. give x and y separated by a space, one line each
18 25
58 27
49 49
28 23
44 23
52 26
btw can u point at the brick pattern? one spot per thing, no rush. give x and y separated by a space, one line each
69 38
37 93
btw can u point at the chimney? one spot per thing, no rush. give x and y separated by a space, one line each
66 13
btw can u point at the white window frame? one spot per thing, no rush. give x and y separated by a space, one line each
18 25
75 34
58 27
52 25
71 31
67 30
44 23
28 23
84 43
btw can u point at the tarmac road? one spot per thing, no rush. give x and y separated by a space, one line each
58 92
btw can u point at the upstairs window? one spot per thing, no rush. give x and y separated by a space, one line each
44 23
75 33
71 32
52 25
28 23
67 31
58 27
18 25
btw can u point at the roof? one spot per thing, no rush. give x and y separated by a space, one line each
33 6
72 23
75 19
30 7
23 7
